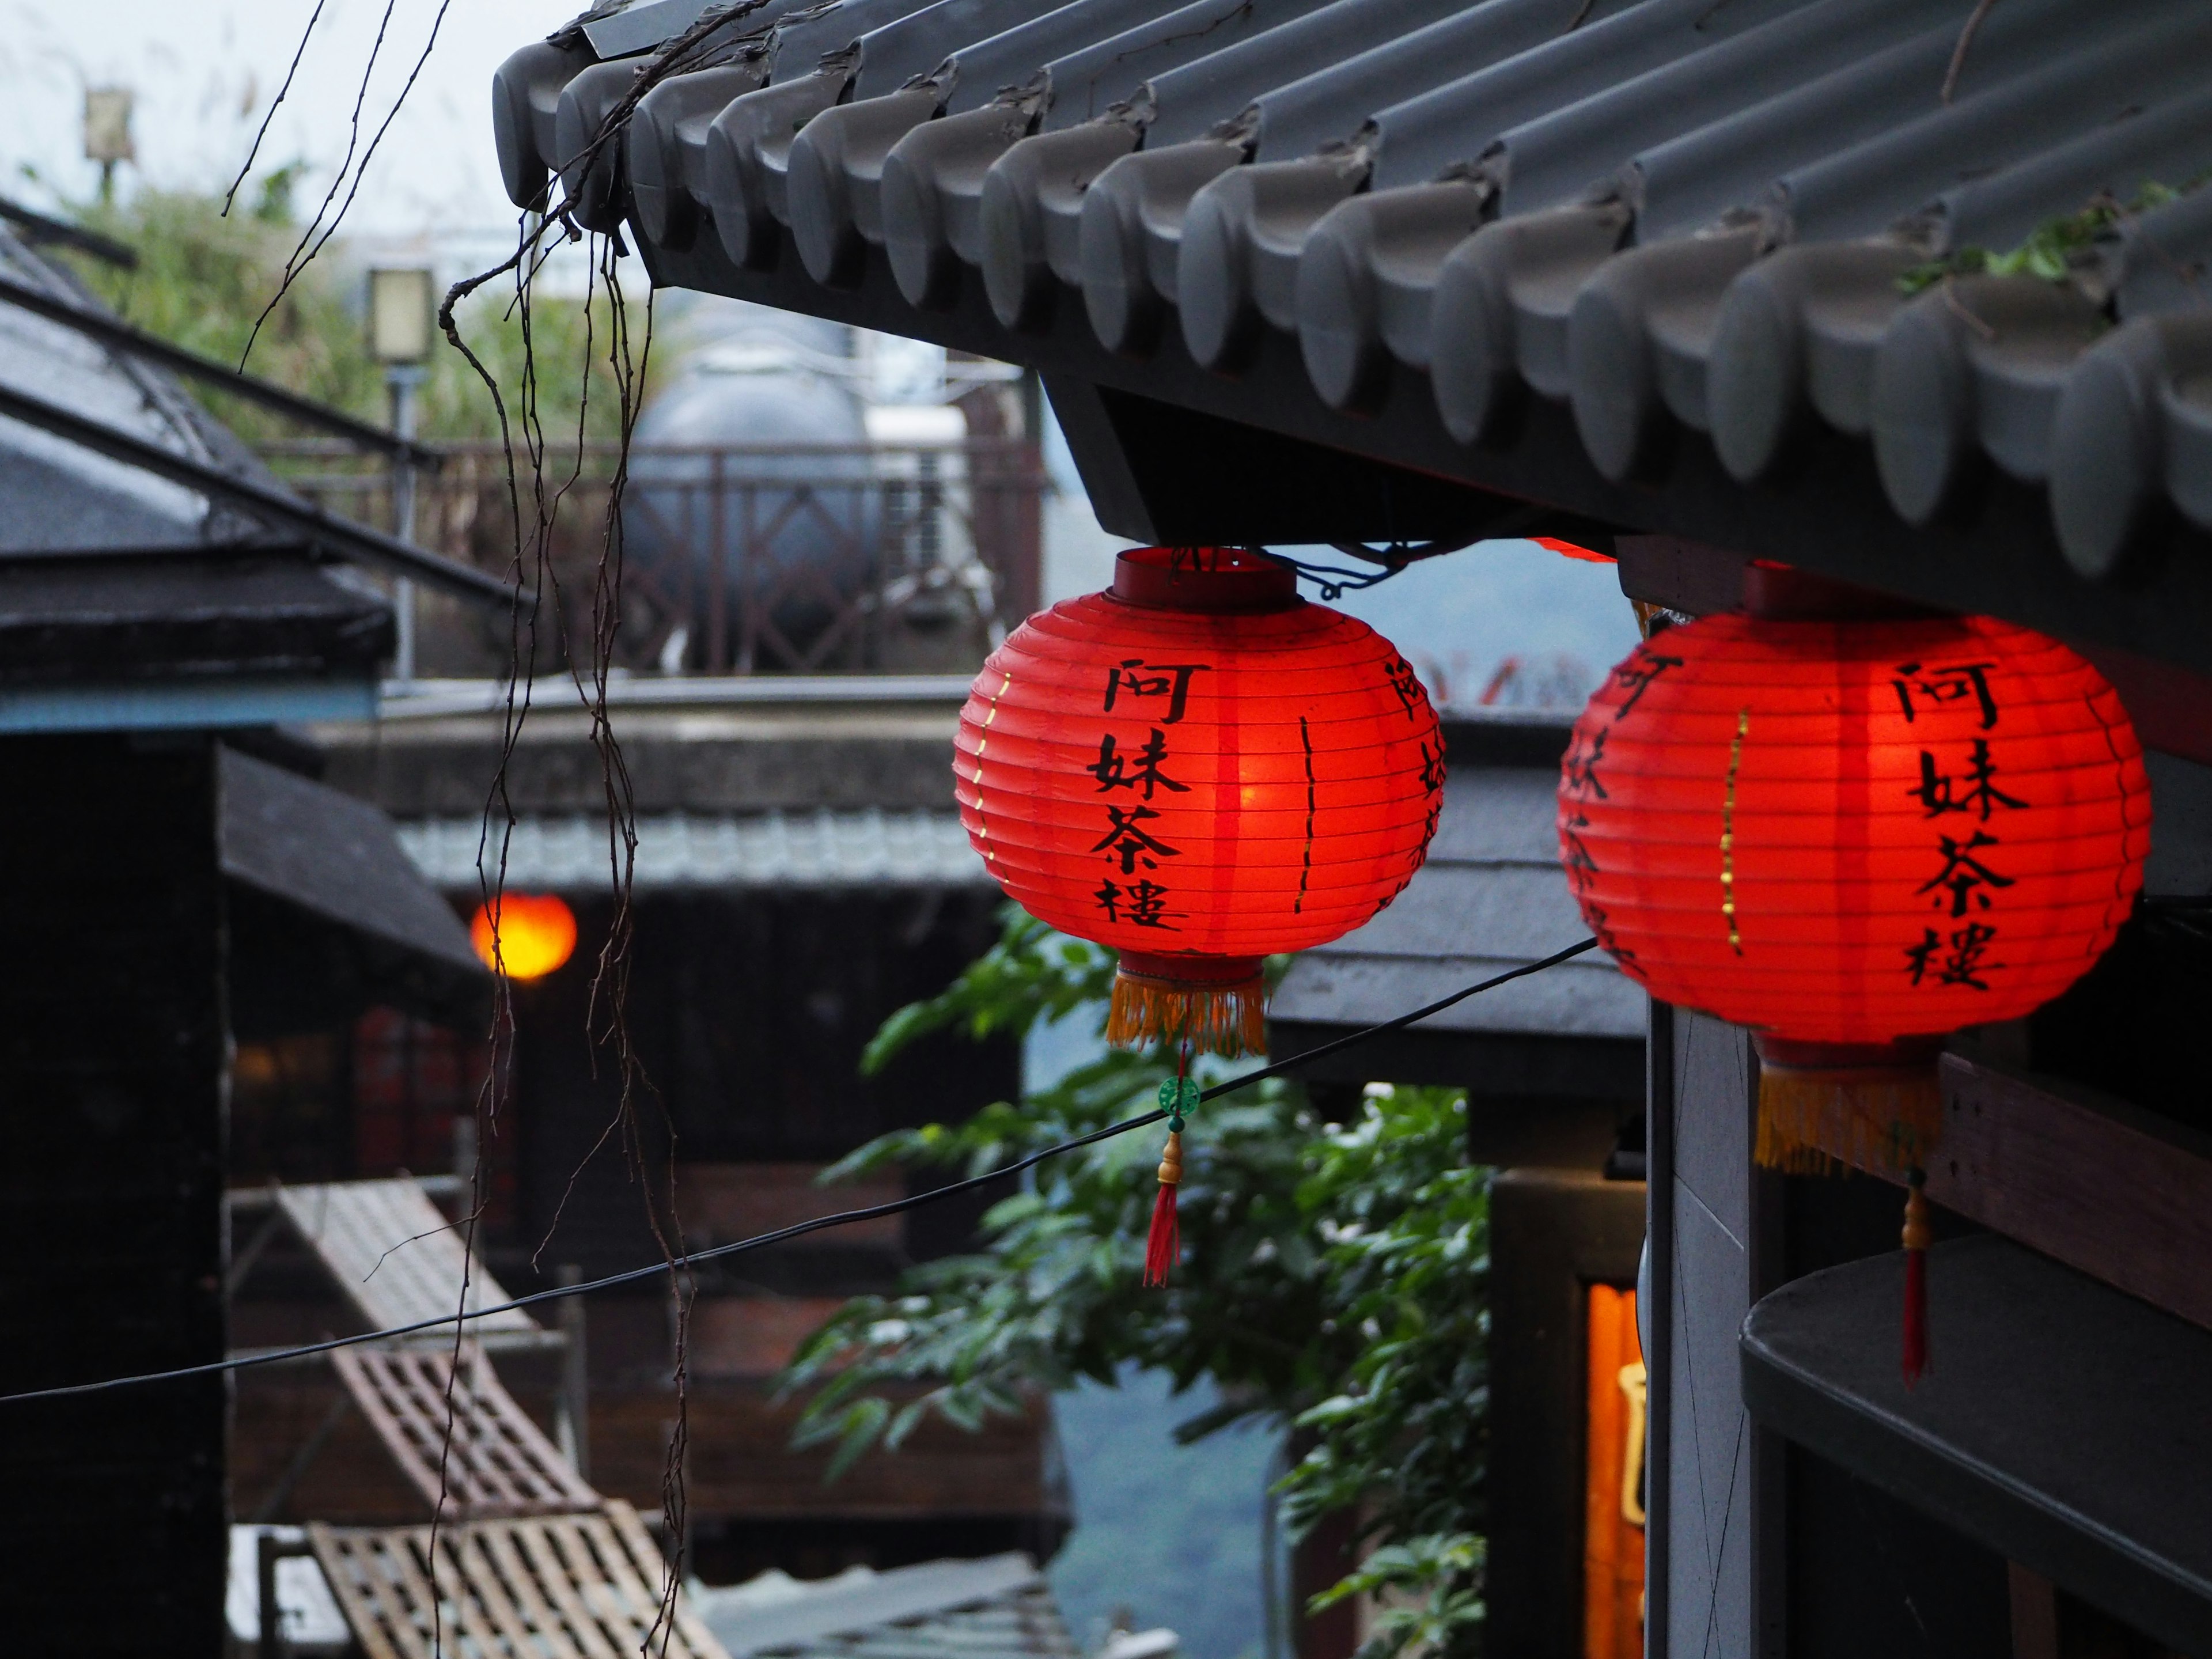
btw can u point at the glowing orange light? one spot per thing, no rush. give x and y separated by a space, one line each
536 933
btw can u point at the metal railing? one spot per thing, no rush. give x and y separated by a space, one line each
791 558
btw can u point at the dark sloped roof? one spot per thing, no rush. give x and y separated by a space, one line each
1638 260
182 616
1489 898
333 915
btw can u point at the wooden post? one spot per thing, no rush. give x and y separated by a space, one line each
575 1420
113 1090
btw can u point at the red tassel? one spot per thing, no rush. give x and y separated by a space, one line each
1164 1242
1916 1237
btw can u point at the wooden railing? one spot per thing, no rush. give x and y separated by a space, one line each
765 559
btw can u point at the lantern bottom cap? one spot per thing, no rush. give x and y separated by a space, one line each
1217 1005
1822 1106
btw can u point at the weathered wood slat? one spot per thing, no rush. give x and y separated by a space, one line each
500 1463
554 1575
568 1587
478 1568
394 1257
554 1639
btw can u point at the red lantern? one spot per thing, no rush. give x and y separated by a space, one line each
1200 770
1853 836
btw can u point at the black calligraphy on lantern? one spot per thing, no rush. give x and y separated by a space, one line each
1579 779
1431 772
1974 790
1126 839
1957 960
1964 875
1145 901
1142 770
1135 678
1636 675
1939 683
1580 767
1400 673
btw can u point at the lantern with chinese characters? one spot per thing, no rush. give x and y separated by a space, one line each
1200 770
1854 834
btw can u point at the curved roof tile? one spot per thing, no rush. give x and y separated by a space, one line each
1669 217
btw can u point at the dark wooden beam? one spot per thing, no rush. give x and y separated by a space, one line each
2119 1193
2170 705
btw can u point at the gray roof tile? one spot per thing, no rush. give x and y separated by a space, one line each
1790 130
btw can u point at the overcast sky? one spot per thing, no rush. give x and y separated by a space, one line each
205 71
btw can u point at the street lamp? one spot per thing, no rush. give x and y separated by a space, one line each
399 299
108 133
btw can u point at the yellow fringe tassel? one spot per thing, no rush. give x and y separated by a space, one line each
1880 1118
1228 1020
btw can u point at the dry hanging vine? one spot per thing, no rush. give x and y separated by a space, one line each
538 590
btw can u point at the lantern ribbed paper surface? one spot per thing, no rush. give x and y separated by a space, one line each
1198 769
1855 832
1848 835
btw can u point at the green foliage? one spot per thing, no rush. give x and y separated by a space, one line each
1427 1592
203 278
1334 1279
2053 250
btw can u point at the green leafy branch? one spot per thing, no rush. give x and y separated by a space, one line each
1335 1280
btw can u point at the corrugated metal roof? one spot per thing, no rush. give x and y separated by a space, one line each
1666 214
997 1608
680 849
57 496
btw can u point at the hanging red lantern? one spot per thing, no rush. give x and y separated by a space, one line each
1200 770
1853 834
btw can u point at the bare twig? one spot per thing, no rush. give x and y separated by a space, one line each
306 35
1966 39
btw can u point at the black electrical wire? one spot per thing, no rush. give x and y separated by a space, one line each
842 1217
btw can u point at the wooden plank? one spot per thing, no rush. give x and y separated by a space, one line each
608 1593
2089 1179
555 1641
499 1462
539 1548
347 1566
638 1577
392 1255
2102 1186
480 1571
572 1587
646 1559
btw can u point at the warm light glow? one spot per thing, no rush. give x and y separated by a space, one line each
536 933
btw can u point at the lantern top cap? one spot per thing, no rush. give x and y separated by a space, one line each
1213 580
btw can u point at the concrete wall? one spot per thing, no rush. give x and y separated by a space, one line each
1711 1461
